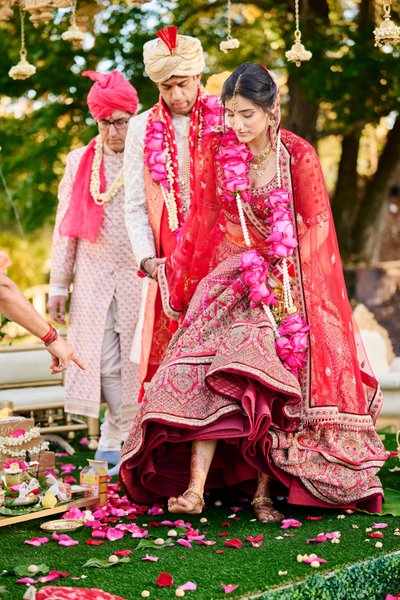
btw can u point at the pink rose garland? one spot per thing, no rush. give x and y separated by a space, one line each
292 333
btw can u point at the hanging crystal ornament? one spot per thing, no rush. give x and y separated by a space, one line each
73 33
23 69
230 43
388 32
297 52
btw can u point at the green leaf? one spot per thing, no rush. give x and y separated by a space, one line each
101 563
22 571
146 543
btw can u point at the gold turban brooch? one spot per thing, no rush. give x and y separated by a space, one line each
172 55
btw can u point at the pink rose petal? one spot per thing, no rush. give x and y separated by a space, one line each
228 589
189 586
185 543
26 580
379 525
150 558
286 523
114 534
36 541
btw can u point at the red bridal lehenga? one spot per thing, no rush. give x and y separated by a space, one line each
222 379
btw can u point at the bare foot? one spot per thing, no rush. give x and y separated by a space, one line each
189 502
264 510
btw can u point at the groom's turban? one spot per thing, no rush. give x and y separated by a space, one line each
172 55
110 92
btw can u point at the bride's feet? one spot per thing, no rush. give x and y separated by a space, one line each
264 510
190 502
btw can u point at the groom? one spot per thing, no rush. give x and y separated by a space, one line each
162 156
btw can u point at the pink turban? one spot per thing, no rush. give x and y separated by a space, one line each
110 92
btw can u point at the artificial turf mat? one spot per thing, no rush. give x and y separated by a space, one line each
253 570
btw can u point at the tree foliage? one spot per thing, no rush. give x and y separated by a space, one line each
346 86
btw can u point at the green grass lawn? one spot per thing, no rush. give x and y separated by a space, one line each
252 570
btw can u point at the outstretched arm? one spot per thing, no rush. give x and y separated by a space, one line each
16 307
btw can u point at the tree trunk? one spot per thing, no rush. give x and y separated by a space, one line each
303 114
345 199
368 225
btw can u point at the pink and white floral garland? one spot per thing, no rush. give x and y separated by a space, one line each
162 155
291 334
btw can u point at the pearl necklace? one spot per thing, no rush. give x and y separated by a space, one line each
101 198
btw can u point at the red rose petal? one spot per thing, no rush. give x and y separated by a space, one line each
91 542
234 543
164 580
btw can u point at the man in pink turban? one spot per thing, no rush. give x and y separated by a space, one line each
91 241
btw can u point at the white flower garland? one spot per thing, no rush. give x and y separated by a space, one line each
21 453
21 439
101 198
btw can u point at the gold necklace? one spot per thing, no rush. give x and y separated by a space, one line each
258 162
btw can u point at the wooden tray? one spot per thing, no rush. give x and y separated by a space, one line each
48 512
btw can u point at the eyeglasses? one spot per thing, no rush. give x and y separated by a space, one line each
118 123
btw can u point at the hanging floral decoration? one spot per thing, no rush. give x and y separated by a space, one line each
23 69
73 33
230 43
289 327
297 52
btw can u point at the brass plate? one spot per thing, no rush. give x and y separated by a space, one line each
64 525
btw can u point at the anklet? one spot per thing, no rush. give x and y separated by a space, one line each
196 493
261 500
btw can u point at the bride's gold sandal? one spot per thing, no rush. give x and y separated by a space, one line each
264 510
197 506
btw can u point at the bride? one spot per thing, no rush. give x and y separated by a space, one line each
265 382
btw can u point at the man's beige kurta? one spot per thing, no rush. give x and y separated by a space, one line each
103 270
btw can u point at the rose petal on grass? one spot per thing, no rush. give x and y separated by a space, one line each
228 589
234 543
91 542
68 543
74 513
189 586
379 525
185 543
52 576
377 534
286 523
314 518
207 543
123 552
150 558
164 580
26 580
155 510
224 534
36 541
114 534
